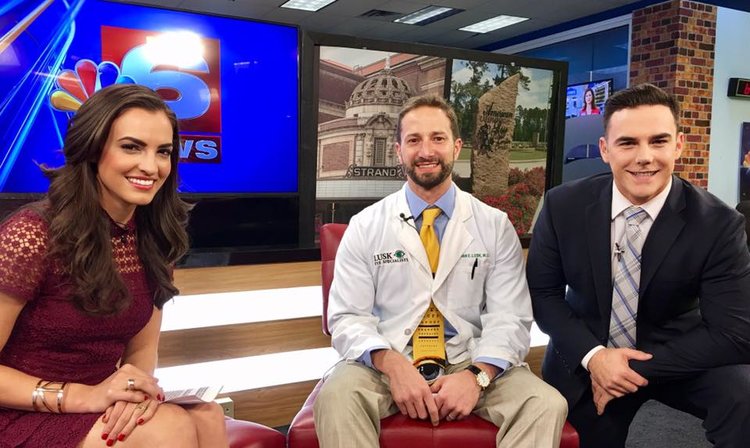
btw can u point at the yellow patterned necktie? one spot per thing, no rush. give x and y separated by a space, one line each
429 237
428 341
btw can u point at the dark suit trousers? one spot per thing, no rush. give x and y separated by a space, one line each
719 396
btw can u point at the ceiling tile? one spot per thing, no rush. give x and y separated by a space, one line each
287 15
353 27
352 9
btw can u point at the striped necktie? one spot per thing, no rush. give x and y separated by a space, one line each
627 280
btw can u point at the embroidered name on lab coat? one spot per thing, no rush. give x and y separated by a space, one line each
474 255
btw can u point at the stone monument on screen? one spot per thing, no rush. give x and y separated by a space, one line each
495 122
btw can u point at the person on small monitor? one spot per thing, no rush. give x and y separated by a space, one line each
429 307
589 107
84 274
641 280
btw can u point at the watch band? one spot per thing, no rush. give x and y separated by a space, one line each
483 380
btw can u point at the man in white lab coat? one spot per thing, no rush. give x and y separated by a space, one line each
384 283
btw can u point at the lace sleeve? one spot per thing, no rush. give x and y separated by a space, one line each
23 249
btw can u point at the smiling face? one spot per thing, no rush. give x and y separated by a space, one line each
135 161
641 146
588 97
427 150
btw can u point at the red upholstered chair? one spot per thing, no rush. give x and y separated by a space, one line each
244 434
397 431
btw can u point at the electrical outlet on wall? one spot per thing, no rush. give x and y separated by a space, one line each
227 405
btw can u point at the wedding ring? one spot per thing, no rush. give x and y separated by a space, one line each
131 385
140 406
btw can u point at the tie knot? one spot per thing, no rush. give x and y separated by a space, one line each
429 215
635 215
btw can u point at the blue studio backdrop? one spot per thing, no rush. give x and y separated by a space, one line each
232 83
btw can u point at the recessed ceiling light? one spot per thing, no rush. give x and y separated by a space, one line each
427 15
307 5
493 24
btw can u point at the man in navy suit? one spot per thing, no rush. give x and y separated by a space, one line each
642 281
744 208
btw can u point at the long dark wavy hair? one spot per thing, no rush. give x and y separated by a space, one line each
80 229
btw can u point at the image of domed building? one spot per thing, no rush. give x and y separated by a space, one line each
364 137
356 128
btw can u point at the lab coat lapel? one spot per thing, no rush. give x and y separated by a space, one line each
408 236
455 240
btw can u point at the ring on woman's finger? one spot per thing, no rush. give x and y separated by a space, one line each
131 385
141 406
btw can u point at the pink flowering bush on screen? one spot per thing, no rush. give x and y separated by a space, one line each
525 189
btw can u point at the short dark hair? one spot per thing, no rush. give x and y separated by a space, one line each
435 101
640 95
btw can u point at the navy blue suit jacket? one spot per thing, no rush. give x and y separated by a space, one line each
694 306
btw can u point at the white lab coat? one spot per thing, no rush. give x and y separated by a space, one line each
382 283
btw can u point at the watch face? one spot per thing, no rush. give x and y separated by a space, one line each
483 379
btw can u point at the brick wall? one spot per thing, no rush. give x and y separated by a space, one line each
673 47
336 156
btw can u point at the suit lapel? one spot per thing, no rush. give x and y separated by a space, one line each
597 234
455 240
663 233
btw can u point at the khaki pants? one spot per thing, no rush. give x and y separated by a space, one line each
527 411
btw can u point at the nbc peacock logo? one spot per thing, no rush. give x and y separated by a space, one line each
87 77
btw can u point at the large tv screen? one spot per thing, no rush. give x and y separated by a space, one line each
508 113
232 83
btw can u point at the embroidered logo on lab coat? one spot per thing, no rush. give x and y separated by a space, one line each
397 256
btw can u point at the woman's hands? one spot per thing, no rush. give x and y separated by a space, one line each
121 418
126 406
116 388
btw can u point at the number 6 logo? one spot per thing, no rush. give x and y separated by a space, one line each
193 94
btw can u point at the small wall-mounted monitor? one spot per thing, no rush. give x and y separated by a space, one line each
584 124
587 98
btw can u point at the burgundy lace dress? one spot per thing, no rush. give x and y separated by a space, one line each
51 338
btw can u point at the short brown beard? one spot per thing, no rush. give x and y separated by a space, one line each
446 169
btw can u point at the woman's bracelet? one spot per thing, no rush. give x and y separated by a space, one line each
56 387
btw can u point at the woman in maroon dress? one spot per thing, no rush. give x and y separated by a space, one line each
83 277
